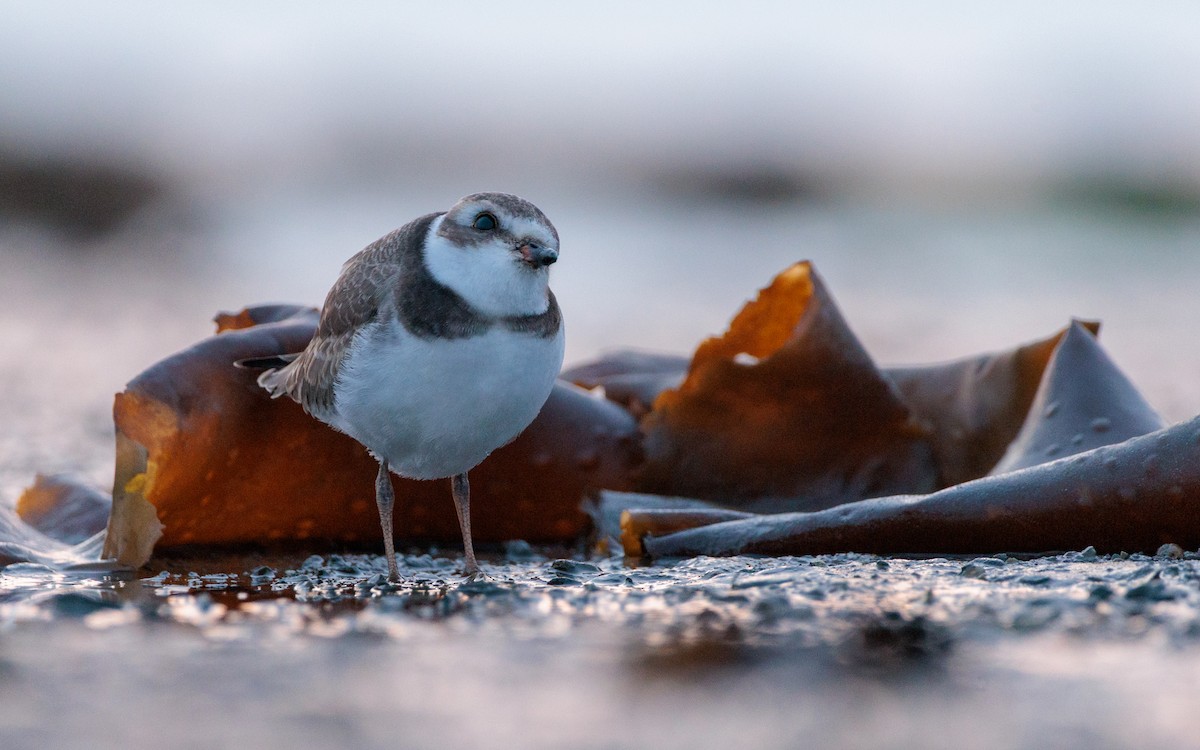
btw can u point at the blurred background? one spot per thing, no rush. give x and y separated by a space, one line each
964 177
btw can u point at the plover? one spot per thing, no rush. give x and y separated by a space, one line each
439 343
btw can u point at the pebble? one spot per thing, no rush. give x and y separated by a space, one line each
1171 551
1153 590
575 567
973 570
73 604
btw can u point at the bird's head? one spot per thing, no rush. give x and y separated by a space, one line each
494 250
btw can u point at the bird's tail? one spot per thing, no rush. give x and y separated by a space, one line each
274 379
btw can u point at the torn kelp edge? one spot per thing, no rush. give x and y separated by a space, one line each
785 404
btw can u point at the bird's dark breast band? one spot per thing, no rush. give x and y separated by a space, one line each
429 309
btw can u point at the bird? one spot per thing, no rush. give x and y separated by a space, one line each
438 343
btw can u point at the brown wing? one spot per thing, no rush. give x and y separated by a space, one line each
354 301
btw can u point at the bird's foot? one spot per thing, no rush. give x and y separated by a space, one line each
393 574
475 575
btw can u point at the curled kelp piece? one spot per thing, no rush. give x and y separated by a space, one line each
630 377
608 508
1084 401
975 406
64 508
638 524
785 404
20 542
1133 496
204 456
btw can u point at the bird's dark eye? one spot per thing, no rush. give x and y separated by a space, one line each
485 222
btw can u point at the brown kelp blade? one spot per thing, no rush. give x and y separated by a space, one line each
976 406
611 512
1084 401
1133 496
64 508
638 524
629 377
20 542
786 403
59 513
205 457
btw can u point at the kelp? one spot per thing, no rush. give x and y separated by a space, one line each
64 508
1133 496
784 413
631 378
973 407
205 457
1092 465
786 404
976 406
57 522
1084 401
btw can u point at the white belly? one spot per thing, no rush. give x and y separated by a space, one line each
436 408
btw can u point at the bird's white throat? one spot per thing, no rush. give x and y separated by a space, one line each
487 276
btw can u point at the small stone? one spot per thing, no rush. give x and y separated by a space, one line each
575 567
1035 580
1153 590
1170 550
313 562
519 550
1088 553
973 570
615 579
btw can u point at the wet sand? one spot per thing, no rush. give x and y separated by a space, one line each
852 651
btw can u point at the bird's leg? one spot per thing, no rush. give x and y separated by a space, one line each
385 497
461 488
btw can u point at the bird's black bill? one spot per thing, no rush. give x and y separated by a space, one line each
538 256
